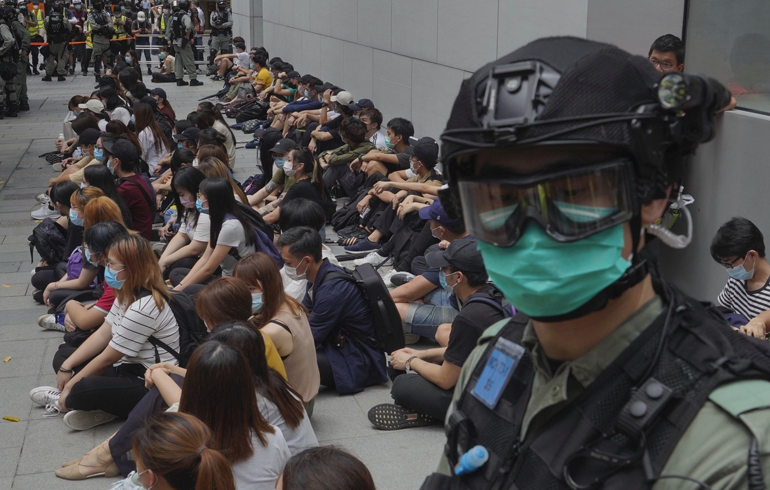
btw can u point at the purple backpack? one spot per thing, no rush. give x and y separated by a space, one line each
75 265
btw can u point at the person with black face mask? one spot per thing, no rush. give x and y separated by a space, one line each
101 32
180 32
57 28
612 378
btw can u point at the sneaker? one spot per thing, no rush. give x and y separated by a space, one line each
401 278
252 144
411 338
43 212
48 322
362 246
57 167
45 395
43 198
372 258
236 126
87 419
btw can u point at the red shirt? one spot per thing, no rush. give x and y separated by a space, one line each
137 203
105 302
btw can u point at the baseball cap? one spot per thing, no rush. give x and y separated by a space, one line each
189 134
426 150
88 136
436 213
92 105
141 17
105 81
324 87
150 101
343 98
362 104
121 148
284 146
159 92
292 74
461 254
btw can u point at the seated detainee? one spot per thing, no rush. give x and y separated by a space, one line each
104 377
398 132
425 398
335 162
340 317
739 247
280 181
228 61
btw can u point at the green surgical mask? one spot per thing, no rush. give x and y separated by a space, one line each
545 278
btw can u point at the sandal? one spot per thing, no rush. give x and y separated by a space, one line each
388 416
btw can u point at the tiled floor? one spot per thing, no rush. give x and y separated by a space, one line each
31 449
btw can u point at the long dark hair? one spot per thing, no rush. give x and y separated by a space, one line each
98 176
219 194
117 128
319 468
189 179
208 106
304 156
218 390
270 384
145 118
110 95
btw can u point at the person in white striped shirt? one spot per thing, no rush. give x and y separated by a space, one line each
739 247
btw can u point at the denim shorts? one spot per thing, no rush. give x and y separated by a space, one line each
424 318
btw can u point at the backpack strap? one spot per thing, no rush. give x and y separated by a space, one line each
507 313
152 340
147 197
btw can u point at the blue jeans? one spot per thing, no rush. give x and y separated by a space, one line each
424 318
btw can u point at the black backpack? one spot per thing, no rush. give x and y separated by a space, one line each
48 241
388 326
192 330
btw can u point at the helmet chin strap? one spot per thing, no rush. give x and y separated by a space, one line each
640 268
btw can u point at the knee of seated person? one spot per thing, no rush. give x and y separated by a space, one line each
442 333
375 168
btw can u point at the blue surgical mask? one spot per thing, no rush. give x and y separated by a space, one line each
740 273
307 94
75 219
78 7
165 11
123 9
83 185
543 277
111 278
161 56
390 145
256 303
133 119
200 208
99 154
88 257
442 281
128 59
179 144
279 161
251 66
111 169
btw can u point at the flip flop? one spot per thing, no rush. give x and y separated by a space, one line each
388 416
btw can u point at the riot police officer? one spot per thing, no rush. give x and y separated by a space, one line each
57 28
562 155
9 57
180 32
100 23
22 65
221 21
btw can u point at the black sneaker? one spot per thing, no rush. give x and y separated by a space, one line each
195 83
47 78
72 71
62 78
181 83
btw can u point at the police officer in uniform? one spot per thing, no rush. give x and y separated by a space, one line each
562 155
179 31
20 80
100 23
57 27
9 57
221 31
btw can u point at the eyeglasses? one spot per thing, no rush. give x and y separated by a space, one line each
664 65
730 265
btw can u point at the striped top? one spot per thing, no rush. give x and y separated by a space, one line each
132 327
748 303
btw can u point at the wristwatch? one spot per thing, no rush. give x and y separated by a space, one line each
408 365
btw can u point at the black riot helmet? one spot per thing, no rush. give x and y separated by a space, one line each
58 7
7 13
97 5
221 4
175 5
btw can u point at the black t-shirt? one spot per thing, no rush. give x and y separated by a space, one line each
470 323
303 188
74 235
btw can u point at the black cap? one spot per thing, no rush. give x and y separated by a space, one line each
461 254
426 150
284 146
292 74
88 136
189 134
324 87
150 101
362 104
122 149
105 81
159 92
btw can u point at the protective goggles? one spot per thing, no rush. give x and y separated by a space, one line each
570 205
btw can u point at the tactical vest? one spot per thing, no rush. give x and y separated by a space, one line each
621 430
223 17
13 51
102 27
57 33
177 25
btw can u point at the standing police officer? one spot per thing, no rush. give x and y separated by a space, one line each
100 23
180 32
221 31
563 155
9 57
57 27
20 80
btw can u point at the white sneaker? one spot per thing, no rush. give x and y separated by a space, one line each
372 258
43 212
86 419
42 197
45 395
48 321
57 167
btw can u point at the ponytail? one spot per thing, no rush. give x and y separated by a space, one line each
214 471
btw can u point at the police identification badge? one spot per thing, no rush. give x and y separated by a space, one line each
500 366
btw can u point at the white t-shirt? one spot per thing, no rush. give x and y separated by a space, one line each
150 153
378 140
298 439
242 59
262 469
132 327
229 141
199 231
233 235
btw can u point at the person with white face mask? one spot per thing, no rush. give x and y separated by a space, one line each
340 317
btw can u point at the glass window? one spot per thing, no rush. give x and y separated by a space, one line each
730 41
